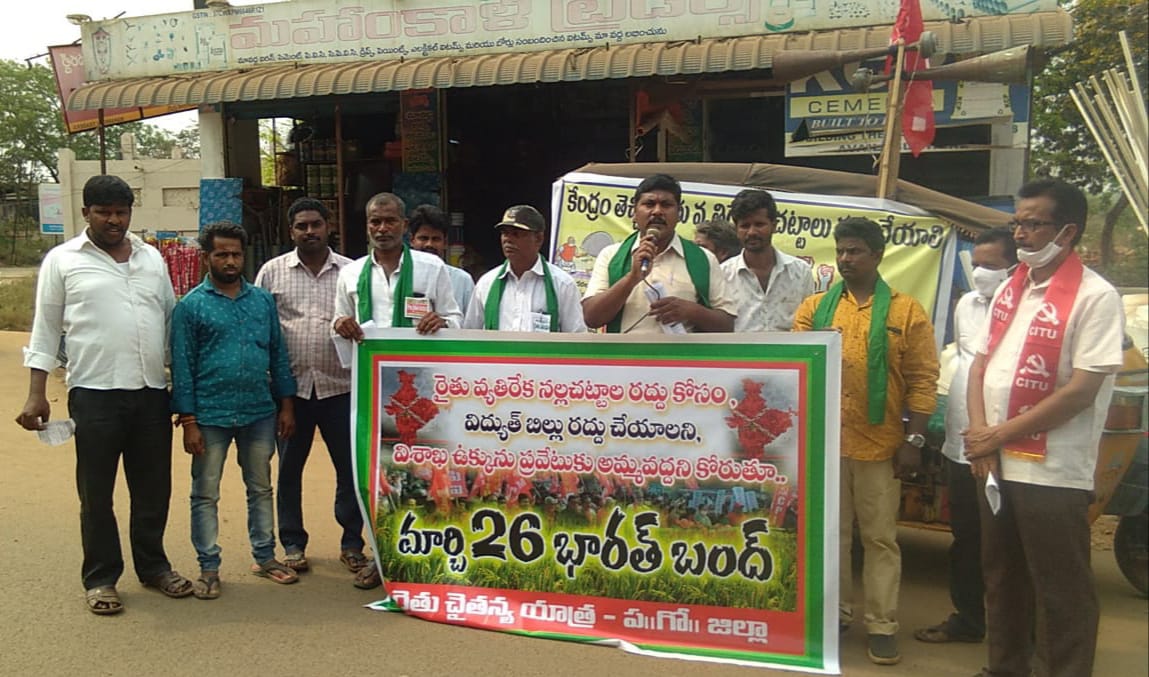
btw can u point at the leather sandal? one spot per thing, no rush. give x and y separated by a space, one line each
103 600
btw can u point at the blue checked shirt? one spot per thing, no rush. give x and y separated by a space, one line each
229 359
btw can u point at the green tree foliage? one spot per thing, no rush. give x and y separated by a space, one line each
1062 144
31 126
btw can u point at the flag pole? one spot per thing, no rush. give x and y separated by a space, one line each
890 159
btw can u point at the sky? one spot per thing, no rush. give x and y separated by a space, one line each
41 23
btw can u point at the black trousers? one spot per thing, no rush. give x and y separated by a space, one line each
1035 556
332 416
135 425
967 590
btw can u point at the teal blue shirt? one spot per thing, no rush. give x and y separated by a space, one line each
229 359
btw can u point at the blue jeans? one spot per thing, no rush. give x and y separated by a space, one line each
255 444
333 418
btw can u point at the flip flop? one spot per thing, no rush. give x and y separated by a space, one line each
353 560
296 561
368 578
275 570
171 584
941 634
208 585
103 600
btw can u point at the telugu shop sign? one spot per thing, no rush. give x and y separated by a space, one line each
322 31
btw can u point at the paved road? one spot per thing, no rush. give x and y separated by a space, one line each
318 627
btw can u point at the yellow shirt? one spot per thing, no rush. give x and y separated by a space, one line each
913 370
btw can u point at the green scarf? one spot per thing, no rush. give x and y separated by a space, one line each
696 264
495 298
876 346
403 288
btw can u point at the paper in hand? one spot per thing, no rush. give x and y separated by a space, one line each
56 433
993 494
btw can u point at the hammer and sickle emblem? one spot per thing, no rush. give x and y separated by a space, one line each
1007 298
1035 366
1047 313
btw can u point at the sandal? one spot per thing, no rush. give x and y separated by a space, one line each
103 600
275 570
353 560
171 584
368 578
296 561
208 585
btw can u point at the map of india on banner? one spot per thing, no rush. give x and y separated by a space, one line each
673 496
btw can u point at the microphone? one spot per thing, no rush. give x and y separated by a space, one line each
652 232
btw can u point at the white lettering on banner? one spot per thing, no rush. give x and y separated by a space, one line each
460 607
424 602
755 632
1044 332
663 621
582 617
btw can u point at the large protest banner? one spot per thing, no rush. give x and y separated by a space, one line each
674 496
592 211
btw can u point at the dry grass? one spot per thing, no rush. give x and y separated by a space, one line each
17 299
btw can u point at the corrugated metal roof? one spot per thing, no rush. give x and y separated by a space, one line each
979 35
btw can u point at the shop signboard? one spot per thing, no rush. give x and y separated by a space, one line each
51 209
675 496
323 31
68 67
826 115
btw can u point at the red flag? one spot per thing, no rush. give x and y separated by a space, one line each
918 105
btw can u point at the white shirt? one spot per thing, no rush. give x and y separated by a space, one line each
770 309
1092 342
114 317
305 303
970 314
525 298
463 285
668 270
429 278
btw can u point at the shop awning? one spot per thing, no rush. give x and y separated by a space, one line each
269 83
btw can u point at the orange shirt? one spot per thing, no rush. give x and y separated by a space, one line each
913 370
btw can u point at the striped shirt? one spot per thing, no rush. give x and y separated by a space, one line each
306 304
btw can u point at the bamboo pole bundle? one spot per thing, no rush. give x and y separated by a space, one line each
1113 106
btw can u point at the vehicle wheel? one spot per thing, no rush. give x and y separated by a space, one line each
1131 547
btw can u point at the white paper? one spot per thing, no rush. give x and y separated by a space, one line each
345 348
56 433
655 292
993 494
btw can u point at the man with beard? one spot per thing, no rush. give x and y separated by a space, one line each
230 370
303 284
526 293
768 283
428 226
392 287
107 293
889 367
654 280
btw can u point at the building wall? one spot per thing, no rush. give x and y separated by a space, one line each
167 191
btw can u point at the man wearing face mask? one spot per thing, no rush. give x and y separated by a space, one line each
994 256
1038 394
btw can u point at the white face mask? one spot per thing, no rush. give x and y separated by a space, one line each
986 281
1042 257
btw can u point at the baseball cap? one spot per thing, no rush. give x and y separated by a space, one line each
523 217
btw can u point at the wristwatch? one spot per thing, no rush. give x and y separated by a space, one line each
916 440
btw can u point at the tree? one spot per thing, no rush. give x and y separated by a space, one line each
32 127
